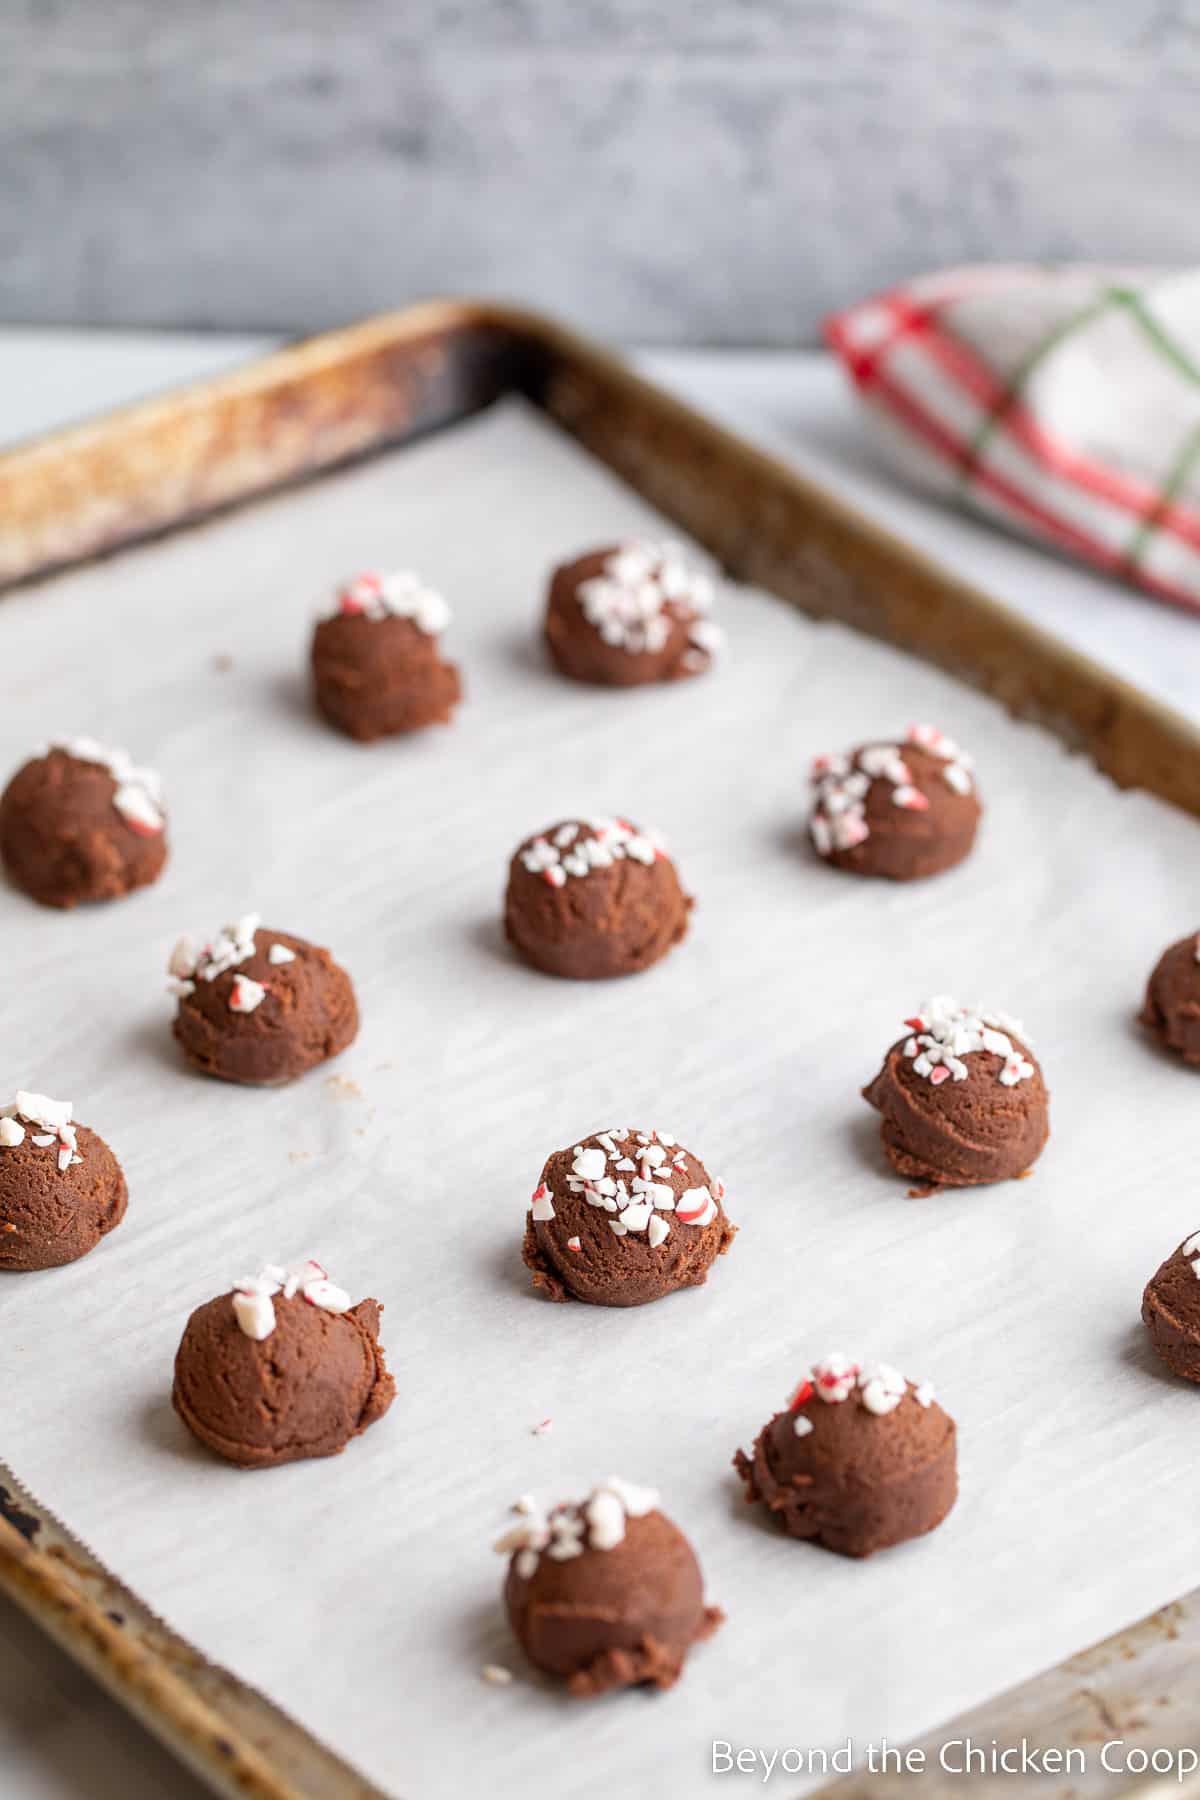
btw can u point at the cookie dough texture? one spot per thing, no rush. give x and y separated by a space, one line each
667 1241
621 1617
901 811
307 1015
628 615
63 841
50 1216
1171 1310
960 1133
855 1481
377 678
1171 1010
618 917
316 1382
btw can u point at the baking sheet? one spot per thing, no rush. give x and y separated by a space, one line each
361 1592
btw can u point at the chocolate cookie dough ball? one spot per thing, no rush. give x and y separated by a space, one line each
624 1217
606 1593
592 898
629 614
1171 1010
61 1187
377 668
260 1006
80 822
902 811
861 1459
281 1369
1171 1309
962 1097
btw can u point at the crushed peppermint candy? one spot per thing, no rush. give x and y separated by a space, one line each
945 1032
138 798
254 1295
53 1116
628 1175
400 595
878 1386
1190 1249
232 945
841 784
495 1675
642 592
581 845
245 995
570 1529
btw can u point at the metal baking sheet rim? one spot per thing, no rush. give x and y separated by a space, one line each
173 460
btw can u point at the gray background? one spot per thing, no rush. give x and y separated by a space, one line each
712 171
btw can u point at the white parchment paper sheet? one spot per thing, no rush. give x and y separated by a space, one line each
361 1592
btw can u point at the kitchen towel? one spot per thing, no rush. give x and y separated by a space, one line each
1063 403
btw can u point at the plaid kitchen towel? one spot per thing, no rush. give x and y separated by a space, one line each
1063 403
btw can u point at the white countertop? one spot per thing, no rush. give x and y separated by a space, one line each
59 1736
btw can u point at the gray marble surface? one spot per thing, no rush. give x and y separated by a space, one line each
662 172
60 1738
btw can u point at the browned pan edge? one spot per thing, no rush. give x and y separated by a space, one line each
230 1735
168 461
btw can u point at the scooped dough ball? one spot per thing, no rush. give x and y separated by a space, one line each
962 1098
258 1006
1171 1309
861 1459
1171 1010
376 661
591 898
624 1217
82 823
629 614
61 1187
282 1368
902 811
606 1593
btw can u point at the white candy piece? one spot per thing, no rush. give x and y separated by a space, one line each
279 953
39 1109
637 1501
695 1206
542 1206
182 961
255 1315
327 1296
11 1133
138 794
657 1232
801 1425
606 1520
134 804
245 995
253 1295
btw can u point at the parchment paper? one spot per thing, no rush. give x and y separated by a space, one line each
361 1592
